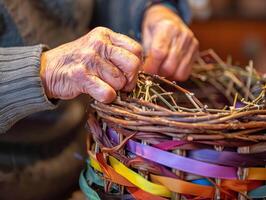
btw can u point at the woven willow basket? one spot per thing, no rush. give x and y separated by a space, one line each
163 141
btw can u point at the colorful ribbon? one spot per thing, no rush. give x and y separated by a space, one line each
117 172
256 173
258 193
202 181
228 158
138 180
174 185
177 162
184 187
162 186
86 176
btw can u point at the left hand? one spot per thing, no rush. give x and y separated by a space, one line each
169 44
98 64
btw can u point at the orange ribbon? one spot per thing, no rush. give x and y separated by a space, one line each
184 187
255 173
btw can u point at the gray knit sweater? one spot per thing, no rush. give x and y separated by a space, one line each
21 91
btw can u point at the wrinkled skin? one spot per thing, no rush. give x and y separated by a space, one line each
99 64
169 45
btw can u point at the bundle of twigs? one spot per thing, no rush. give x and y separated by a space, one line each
154 105
223 108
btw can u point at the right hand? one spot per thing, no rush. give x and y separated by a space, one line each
99 64
170 45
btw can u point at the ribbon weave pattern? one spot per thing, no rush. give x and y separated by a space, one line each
164 185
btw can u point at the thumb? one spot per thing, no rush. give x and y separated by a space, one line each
97 89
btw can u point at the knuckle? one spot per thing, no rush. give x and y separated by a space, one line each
102 48
113 77
120 84
98 43
91 59
188 33
132 70
159 54
114 72
135 64
100 29
168 24
138 49
76 73
108 51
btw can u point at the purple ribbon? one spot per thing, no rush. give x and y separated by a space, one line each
228 158
175 161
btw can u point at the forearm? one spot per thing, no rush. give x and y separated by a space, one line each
21 91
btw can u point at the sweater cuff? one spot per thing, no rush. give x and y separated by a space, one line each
21 90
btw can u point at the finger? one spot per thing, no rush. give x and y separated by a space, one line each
169 66
158 51
106 71
127 43
130 86
127 62
185 67
184 44
146 40
97 89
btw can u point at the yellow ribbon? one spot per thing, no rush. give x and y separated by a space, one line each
133 177
94 163
138 180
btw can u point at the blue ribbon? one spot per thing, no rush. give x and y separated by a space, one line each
258 193
202 181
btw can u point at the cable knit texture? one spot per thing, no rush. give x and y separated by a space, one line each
21 91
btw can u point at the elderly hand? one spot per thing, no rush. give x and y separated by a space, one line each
99 64
170 46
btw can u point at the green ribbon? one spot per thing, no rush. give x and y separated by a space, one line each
87 178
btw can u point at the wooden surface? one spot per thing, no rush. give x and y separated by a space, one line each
243 39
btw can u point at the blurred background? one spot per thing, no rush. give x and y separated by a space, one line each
232 28
30 162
